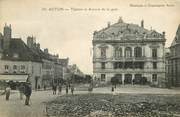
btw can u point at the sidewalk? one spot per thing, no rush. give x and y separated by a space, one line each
16 108
137 89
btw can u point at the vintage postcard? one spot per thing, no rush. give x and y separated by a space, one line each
89 58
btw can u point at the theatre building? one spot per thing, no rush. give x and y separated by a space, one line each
130 53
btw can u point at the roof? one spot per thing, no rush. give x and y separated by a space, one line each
64 61
19 51
177 37
39 52
126 31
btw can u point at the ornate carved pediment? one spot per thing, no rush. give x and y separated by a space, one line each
103 46
153 45
103 35
153 34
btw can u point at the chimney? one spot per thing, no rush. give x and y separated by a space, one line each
120 20
142 23
7 36
30 41
108 24
38 45
46 51
163 34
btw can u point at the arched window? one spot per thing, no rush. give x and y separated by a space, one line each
154 52
15 67
118 52
128 52
138 52
103 52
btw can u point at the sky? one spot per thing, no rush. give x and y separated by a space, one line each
66 27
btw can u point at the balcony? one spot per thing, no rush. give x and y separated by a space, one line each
123 59
128 70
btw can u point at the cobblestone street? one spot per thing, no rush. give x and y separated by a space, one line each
16 108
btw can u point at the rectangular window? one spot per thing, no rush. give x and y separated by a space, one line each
154 65
139 65
103 65
6 67
118 65
22 67
154 78
154 53
103 52
15 67
103 77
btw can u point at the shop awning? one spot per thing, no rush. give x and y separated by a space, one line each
19 78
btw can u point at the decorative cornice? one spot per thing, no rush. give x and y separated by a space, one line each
127 41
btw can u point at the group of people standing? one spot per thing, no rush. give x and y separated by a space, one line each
24 89
59 88
55 87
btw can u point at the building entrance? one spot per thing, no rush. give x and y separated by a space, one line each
119 77
128 79
137 79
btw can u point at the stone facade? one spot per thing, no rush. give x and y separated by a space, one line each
173 61
17 58
130 53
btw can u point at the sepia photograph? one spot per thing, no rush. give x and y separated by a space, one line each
89 58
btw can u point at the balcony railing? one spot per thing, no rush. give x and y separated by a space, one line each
129 59
128 70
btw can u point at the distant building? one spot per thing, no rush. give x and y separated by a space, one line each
173 61
130 53
18 61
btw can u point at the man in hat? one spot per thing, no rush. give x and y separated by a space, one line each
7 91
27 92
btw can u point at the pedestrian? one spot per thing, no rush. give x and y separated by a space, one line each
59 89
69 85
27 92
44 87
112 89
90 88
66 89
39 87
72 89
21 91
53 88
7 91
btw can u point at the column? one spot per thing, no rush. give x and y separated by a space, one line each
143 51
132 79
132 51
123 78
123 50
